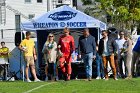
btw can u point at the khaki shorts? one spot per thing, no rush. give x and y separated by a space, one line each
29 60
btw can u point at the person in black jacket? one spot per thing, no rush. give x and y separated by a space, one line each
87 49
107 48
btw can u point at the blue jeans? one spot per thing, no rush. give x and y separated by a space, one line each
88 59
100 66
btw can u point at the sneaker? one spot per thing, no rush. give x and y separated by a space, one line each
129 77
37 80
65 76
89 79
115 79
103 78
56 78
98 77
86 79
46 79
28 80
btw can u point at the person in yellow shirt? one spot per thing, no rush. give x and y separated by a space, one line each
3 57
4 51
28 47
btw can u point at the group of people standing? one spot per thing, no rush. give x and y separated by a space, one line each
107 50
123 59
124 46
61 52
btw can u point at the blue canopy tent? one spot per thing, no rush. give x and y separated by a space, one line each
59 18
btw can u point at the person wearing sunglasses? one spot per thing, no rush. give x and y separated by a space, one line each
50 54
66 45
120 54
107 48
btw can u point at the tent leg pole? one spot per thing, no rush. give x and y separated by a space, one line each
98 35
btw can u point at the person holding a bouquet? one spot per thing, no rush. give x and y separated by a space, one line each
128 55
50 54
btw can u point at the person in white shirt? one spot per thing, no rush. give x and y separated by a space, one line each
120 42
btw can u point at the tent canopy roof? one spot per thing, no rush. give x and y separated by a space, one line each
61 17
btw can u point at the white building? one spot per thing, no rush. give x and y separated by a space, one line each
13 12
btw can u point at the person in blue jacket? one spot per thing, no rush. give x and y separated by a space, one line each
135 58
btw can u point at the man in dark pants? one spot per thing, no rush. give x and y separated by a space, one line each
107 48
120 49
87 49
135 58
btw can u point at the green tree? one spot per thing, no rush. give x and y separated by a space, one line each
94 9
125 14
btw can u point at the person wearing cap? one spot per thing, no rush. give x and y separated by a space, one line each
87 51
28 47
127 55
66 45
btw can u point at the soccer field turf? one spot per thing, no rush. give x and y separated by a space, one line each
73 86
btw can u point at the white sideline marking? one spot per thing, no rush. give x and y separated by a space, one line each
38 87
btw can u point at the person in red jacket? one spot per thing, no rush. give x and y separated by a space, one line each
66 46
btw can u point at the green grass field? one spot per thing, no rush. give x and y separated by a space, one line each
73 86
